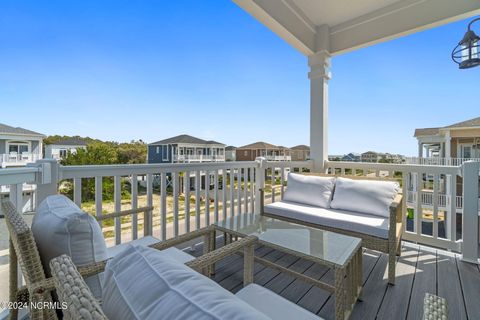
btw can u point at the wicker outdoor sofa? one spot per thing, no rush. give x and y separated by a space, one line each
389 243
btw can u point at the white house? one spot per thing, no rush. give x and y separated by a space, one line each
59 149
19 146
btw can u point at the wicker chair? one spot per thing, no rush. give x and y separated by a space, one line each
79 303
38 288
390 246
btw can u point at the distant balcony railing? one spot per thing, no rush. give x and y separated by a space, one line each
278 158
17 159
199 158
436 161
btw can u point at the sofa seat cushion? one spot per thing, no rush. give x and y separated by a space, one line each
272 305
312 190
341 219
61 227
141 283
173 253
365 196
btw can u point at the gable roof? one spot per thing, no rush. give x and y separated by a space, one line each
301 147
185 138
475 122
6 129
70 142
230 148
259 145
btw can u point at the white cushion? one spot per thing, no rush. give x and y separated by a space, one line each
140 283
341 219
272 305
366 196
172 252
61 227
312 190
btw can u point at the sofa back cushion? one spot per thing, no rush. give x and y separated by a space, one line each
311 190
142 283
364 196
61 227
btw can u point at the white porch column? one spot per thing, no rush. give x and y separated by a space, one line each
420 149
470 171
448 146
319 75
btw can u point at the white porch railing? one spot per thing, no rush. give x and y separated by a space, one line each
435 161
225 189
198 158
17 159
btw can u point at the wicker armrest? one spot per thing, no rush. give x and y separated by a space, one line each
218 254
73 291
396 210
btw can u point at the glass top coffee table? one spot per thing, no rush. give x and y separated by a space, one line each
340 252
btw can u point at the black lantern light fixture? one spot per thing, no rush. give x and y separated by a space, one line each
466 54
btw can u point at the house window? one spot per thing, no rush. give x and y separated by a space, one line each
18 147
245 153
62 153
165 153
158 150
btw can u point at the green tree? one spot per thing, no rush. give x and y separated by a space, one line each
133 152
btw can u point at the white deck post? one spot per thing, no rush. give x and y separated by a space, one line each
420 149
48 184
448 148
319 75
470 211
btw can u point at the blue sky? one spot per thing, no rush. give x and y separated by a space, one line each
122 70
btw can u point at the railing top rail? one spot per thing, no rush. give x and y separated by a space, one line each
434 169
282 164
18 175
90 171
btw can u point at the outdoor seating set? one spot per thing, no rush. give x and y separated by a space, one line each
324 219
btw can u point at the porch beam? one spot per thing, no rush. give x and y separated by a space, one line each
397 20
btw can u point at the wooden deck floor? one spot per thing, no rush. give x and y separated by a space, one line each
419 270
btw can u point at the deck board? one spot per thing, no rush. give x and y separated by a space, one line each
419 270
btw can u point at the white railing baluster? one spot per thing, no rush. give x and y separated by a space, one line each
282 181
99 198
163 205
77 191
186 185
245 190
451 225
197 199
436 186
148 216
252 189
273 183
224 194
207 198
175 203
232 187
134 192
239 191
419 211
117 198
215 195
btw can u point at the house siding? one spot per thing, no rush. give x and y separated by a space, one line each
3 146
164 156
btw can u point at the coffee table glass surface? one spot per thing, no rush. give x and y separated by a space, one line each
329 247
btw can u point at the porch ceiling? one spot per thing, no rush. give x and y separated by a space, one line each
339 26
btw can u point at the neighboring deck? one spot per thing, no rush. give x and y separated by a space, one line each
420 269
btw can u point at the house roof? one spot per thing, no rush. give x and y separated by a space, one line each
301 147
230 148
6 129
185 138
70 142
426 132
259 145
475 122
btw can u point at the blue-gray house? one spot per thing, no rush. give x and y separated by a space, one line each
184 149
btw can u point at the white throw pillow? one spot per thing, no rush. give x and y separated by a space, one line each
142 283
364 196
61 227
312 190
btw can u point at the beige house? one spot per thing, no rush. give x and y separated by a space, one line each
449 145
300 153
269 151
371 156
